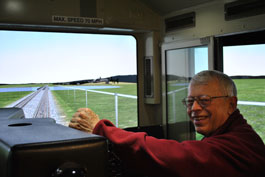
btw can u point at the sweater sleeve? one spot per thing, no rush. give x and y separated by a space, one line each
159 157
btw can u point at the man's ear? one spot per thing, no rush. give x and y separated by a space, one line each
233 104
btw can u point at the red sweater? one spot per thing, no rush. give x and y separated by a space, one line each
232 150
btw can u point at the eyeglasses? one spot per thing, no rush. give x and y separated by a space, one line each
203 100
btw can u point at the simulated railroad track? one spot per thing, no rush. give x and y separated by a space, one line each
43 109
37 104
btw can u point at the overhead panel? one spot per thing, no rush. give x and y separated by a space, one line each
180 21
169 6
241 9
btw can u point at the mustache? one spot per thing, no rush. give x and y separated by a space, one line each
197 113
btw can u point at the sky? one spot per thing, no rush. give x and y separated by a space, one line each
244 60
237 60
44 57
201 59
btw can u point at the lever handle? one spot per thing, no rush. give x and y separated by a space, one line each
70 169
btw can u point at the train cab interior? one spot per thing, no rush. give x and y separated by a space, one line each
175 39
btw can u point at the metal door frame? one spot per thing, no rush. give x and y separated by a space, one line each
209 41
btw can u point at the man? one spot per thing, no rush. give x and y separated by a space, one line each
230 146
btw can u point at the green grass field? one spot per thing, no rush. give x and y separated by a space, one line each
252 90
7 98
23 85
102 104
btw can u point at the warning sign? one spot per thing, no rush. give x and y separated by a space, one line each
77 20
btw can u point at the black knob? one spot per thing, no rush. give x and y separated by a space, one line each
70 169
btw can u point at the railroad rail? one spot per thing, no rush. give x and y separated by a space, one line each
42 109
25 101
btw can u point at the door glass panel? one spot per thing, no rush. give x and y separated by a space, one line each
181 65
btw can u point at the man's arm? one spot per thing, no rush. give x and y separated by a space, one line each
160 157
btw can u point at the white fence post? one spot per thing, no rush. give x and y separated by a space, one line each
174 105
116 110
173 96
74 95
86 98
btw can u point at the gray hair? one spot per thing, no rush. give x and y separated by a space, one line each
227 84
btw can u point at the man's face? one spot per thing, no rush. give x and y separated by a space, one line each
207 119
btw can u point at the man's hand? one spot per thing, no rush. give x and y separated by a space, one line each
84 119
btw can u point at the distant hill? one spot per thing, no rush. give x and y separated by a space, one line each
171 77
175 77
124 78
247 77
77 82
118 78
